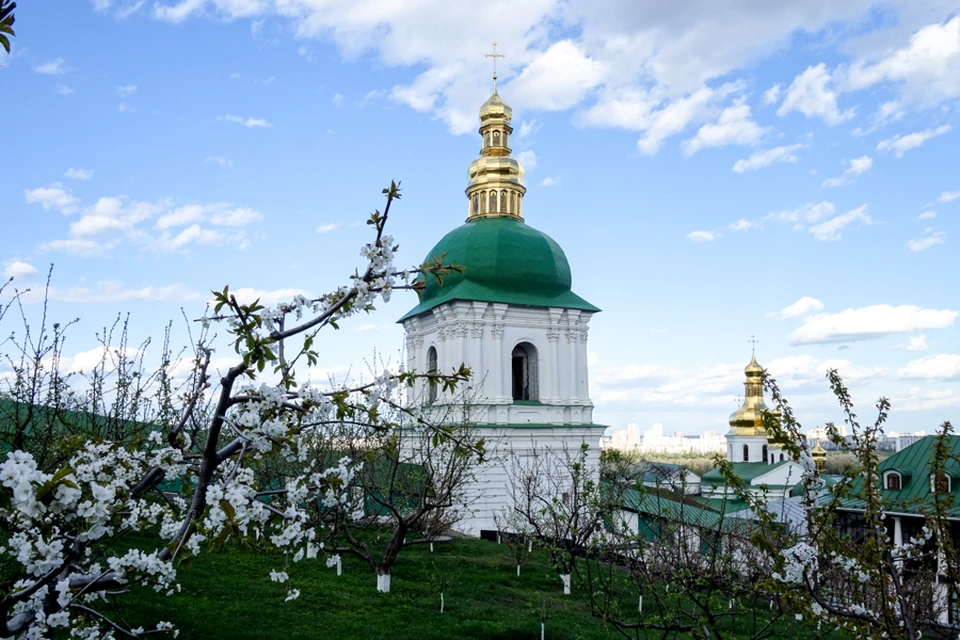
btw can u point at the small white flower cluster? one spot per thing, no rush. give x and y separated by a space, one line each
799 559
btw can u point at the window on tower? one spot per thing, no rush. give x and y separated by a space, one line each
496 138
493 202
765 458
476 204
746 453
431 367
523 365
503 202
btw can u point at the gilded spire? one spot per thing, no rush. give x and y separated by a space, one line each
819 455
748 419
495 188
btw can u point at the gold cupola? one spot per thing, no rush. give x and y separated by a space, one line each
819 455
495 188
748 419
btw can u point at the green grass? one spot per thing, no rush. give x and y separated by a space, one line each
228 594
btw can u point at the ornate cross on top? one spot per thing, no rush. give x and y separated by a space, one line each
494 55
753 341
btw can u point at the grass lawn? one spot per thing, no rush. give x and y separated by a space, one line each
229 594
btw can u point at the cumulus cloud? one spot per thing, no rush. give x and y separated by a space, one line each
900 144
871 322
79 174
19 270
948 196
527 159
806 214
326 228
734 126
914 343
53 196
744 225
927 215
813 94
549 182
942 366
557 79
702 236
180 11
857 166
52 68
63 89
772 95
930 238
248 122
830 230
802 307
761 159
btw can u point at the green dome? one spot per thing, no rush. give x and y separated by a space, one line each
503 260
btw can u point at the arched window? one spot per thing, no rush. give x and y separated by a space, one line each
746 453
892 481
504 138
476 204
765 457
496 138
431 367
483 202
523 364
513 206
493 202
503 202
486 139
781 457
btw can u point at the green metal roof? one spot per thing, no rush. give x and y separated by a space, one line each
746 471
652 503
503 260
913 463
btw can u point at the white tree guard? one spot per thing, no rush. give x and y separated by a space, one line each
383 583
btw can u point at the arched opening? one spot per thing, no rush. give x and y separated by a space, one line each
523 364
483 203
493 202
766 458
496 138
486 140
781 457
513 206
476 204
431 367
503 202
746 453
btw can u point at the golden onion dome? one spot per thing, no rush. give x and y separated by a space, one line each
748 419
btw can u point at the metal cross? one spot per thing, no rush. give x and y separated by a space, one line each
754 342
494 55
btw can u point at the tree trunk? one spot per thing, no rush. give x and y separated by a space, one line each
565 577
383 582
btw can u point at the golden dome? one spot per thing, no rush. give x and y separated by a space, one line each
495 179
748 419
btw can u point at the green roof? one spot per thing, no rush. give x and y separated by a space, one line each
913 463
746 471
504 260
650 503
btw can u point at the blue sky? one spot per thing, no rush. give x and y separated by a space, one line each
779 169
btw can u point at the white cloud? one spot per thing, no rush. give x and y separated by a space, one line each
809 213
702 236
528 128
829 230
54 196
181 216
248 122
857 166
223 162
194 234
123 107
772 95
925 69
236 217
326 228
927 215
948 196
865 323
527 159
366 328
79 174
744 225
100 5
557 79
813 94
63 89
247 295
126 90
677 116
929 239
734 126
53 68
180 11
802 307
337 99
113 291
549 182
917 399
942 366
19 270
762 159
80 247
915 343
129 10
900 144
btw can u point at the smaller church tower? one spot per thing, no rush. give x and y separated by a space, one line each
748 440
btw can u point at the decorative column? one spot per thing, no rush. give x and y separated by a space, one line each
552 361
573 336
498 370
476 362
